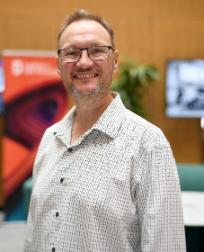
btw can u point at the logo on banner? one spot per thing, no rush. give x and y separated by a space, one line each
19 67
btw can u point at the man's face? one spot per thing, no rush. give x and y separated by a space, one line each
86 76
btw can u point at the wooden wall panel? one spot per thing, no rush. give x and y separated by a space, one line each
148 31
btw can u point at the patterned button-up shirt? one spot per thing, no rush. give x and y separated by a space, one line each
115 190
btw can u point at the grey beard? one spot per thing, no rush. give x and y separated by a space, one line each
76 93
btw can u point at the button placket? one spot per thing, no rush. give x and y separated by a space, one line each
63 182
64 167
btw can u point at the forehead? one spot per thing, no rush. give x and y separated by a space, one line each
83 33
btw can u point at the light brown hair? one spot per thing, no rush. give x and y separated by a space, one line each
84 15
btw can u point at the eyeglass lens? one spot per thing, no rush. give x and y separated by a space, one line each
74 54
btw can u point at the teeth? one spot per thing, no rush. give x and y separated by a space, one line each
85 75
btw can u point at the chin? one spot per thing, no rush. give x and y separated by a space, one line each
86 92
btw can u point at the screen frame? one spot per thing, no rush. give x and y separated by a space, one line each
182 112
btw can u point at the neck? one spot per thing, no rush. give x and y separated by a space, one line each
88 110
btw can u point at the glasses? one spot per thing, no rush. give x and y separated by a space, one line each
96 53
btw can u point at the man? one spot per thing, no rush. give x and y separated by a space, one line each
104 179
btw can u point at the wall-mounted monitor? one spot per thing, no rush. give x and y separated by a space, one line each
185 88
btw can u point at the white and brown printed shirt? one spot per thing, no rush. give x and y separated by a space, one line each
115 190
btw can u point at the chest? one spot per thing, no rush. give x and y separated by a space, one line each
93 175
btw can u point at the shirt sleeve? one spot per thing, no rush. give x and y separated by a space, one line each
38 164
158 200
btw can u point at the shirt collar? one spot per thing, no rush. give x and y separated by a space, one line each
108 122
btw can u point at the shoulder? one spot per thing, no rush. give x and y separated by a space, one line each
51 130
49 136
60 126
148 134
44 147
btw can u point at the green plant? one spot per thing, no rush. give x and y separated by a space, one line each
131 83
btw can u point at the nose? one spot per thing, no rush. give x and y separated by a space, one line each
85 61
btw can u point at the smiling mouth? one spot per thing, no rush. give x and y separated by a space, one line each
85 75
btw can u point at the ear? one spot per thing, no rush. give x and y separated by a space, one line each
116 61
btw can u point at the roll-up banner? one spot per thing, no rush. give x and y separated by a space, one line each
1 134
34 98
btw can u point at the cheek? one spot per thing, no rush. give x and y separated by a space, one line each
108 70
66 71
66 67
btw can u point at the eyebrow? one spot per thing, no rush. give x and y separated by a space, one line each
77 47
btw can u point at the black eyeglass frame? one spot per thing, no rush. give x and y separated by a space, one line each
82 49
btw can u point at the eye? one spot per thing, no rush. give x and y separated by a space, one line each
71 53
97 51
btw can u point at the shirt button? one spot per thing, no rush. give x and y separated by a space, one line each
69 149
53 249
57 214
61 180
